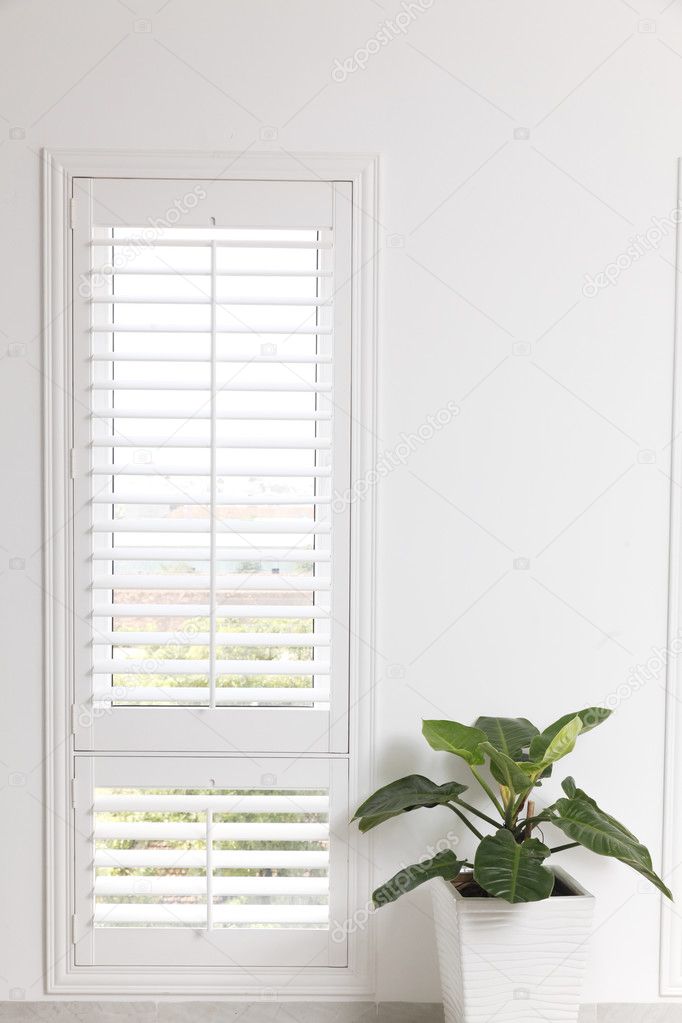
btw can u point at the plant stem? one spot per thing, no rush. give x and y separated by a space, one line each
465 821
489 792
540 819
569 845
479 813
518 807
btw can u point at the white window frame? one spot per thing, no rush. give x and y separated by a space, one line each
670 965
62 976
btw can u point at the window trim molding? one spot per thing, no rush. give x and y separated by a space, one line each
670 955
59 168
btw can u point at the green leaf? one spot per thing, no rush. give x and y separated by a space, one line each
571 790
558 747
506 771
452 737
509 735
583 821
511 870
563 742
589 718
444 864
404 795
568 785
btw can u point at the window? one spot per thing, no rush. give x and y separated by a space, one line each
208 627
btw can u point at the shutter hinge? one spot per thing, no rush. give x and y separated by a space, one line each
73 208
77 463
74 783
74 924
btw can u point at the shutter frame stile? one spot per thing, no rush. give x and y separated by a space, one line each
226 387
83 931
318 727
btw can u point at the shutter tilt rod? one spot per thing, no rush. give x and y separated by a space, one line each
209 870
214 493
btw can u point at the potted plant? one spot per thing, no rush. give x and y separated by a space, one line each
512 932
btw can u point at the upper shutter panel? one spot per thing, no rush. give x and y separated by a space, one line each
212 431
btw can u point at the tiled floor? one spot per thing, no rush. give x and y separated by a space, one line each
217 1012
286 1012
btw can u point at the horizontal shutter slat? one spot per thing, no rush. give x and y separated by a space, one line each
191 803
182 913
245 582
109 271
294 387
269 416
201 610
225 526
245 357
206 243
225 502
224 886
281 471
221 302
167 666
154 831
238 444
226 696
242 859
204 554
120 328
223 639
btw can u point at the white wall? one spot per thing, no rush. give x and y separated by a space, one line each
488 237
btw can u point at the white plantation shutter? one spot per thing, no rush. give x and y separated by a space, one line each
211 414
212 861
211 432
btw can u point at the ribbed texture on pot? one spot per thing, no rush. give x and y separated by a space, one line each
511 964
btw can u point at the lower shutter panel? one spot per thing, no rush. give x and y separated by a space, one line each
237 868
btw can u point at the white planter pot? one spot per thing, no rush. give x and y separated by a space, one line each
520 963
